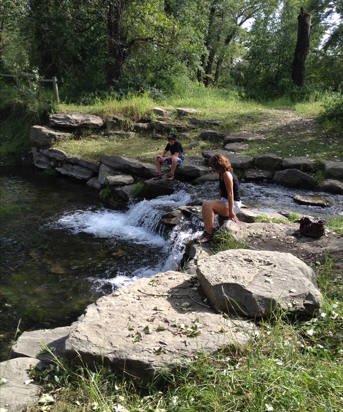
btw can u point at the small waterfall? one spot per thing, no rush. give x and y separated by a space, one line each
139 225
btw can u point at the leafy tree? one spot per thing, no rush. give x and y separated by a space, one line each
226 19
12 52
266 70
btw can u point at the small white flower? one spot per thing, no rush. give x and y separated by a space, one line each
323 315
269 407
279 363
310 332
334 315
174 399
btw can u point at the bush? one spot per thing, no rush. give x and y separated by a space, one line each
332 118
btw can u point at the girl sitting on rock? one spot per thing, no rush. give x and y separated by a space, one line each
230 201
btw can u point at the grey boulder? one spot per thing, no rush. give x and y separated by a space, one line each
334 169
43 137
268 161
153 325
17 392
254 283
293 178
130 166
238 161
80 172
75 120
331 186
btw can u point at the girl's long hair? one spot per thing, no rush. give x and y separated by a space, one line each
220 163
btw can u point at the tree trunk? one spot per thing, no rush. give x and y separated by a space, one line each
302 48
208 70
118 49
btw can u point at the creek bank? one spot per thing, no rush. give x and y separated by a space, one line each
291 172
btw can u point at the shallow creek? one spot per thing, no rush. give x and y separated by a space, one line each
62 249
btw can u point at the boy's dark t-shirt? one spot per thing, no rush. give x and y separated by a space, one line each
176 148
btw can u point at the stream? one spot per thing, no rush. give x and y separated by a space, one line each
61 248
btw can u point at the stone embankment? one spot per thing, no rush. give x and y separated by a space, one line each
120 173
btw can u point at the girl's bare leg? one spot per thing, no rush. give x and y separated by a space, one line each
209 209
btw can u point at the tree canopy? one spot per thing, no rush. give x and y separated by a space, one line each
115 45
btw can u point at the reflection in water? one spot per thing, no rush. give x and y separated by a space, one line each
61 249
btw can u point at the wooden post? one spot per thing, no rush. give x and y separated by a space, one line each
54 84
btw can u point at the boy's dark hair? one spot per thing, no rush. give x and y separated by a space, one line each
172 136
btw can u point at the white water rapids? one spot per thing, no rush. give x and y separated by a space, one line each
139 225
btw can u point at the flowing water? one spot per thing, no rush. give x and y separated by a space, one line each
62 249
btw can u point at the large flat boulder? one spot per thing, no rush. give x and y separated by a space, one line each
253 283
212 134
32 344
334 169
238 161
192 168
75 120
40 160
120 180
44 137
294 178
240 137
258 175
250 216
80 172
154 324
302 163
331 186
162 126
268 161
17 392
162 112
85 163
55 154
130 166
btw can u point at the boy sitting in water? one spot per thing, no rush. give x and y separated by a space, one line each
175 159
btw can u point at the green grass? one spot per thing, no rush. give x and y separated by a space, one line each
223 240
266 219
293 364
289 130
17 114
335 223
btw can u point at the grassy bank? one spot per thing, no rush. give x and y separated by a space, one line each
18 112
293 364
289 129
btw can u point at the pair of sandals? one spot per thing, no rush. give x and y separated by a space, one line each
204 238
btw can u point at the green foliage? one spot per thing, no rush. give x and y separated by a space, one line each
138 189
50 172
335 223
18 112
293 217
332 118
223 240
266 219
